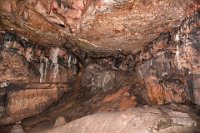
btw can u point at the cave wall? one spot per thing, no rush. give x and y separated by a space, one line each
94 59
166 71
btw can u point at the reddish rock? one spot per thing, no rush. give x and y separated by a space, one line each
25 62
120 100
99 48
128 25
161 94
30 100
14 68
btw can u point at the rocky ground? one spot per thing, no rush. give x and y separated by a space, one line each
170 119
99 66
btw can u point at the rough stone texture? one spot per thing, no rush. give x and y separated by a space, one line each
163 81
60 121
80 43
138 120
120 100
17 129
169 66
25 62
126 80
131 25
29 100
14 68
30 75
128 25
187 53
97 78
82 100
33 77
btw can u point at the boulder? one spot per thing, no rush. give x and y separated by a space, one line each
137 120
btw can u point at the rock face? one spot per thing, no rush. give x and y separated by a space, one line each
73 58
25 62
106 24
138 120
33 77
160 75
29 100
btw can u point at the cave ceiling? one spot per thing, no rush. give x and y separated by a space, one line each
127 25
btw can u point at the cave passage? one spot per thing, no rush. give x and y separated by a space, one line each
81 85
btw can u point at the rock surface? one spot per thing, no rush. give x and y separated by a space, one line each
138 120
72 58
104 24
29 100
17 129
118 82
25 62
60 121
33 77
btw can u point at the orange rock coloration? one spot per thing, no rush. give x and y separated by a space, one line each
64 59
31 100
161 94
120 100
100 24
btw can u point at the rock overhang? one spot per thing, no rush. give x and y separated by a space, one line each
99 24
